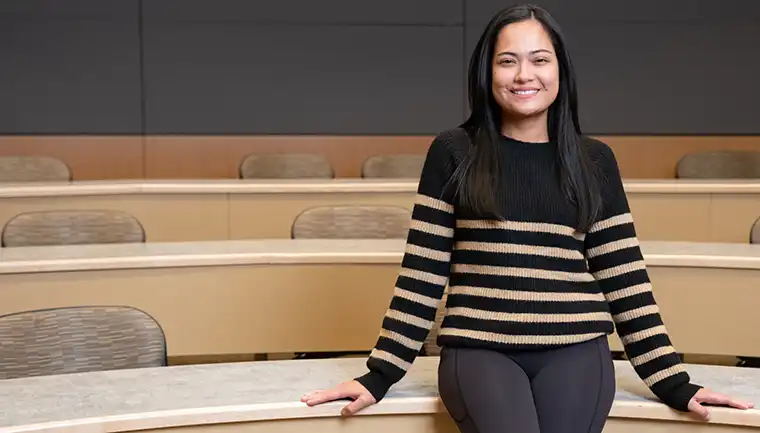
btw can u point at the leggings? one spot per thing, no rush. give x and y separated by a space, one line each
565 390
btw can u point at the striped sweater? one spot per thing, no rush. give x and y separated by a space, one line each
530 281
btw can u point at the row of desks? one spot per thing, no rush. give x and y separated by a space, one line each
700 211
264 397
284 296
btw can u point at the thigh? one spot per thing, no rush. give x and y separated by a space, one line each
575 389
486 392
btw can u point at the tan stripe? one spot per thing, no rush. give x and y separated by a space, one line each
433 229
611 222
653 354
520 226
434 203
428 253
629 291
518 295
620 270
643 335
612 247
389 357
636 313
506 248
493 337
401 339
416 297
664 374
522 272
409 319
423 276
527 317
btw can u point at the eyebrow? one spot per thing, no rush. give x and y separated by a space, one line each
509 53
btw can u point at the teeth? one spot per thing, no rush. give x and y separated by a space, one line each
525 92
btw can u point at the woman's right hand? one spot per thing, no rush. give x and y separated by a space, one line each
351 390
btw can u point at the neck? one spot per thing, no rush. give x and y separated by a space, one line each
530 130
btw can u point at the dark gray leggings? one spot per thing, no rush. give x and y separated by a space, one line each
566 390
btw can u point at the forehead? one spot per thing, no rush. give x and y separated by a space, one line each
523 36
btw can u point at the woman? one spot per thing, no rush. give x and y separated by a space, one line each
528 222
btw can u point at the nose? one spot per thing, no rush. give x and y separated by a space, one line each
524 72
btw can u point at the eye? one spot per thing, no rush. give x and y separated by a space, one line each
506 61
541 60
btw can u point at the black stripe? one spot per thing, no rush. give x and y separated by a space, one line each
610 234
428 214
411 261
658 364
520 306
616 258
519 237
521 328
522 283
639 324
411 331
422 287
406 306
518 260
396 348
428 240
622 281
632 302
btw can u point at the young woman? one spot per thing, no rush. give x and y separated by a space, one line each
528 222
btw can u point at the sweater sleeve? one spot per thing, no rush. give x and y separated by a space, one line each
616 261
422 277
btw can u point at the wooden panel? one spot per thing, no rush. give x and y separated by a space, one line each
207 157
732 217
219 157
88 157
671 217
165 218
212 157
656 156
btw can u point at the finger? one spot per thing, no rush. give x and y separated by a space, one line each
698 409
725 400
355 406
309 395
325 396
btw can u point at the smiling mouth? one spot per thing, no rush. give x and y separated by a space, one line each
525 92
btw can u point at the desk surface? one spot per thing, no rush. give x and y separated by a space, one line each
312 251
301 186
174 396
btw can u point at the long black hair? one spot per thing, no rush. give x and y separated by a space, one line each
478 175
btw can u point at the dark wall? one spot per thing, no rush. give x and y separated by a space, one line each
356 67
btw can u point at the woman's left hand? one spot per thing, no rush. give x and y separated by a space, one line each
706 396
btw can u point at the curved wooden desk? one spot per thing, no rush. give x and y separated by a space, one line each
284 296
264 397
717 211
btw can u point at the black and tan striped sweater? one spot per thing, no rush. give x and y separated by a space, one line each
529 281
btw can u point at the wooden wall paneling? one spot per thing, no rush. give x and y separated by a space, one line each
215 157
88 157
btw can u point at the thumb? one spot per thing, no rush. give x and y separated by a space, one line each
698 409
355 406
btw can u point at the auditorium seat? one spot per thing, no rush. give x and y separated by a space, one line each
393 166
286 166
72 227
79 339
352 222
720 164
33 169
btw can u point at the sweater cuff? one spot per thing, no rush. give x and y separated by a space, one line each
376 384
678 397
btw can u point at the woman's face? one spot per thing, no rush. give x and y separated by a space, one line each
525 77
